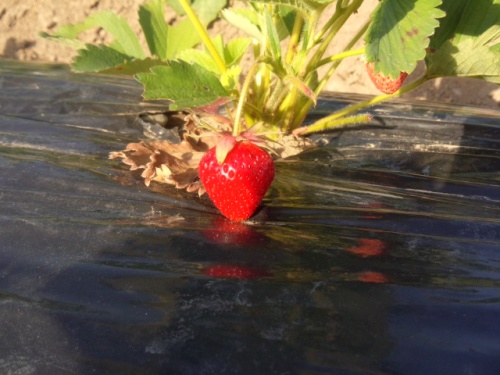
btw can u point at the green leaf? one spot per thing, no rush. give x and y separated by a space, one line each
272 36
232 54
73 43
447 25
125 41
399 34
133 67
187 85
202 58
287 20
152 20
245 19
235 49
306 6
206 10
231 77
180 37
469 46
98 58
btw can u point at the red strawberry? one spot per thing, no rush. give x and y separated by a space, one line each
229 271
237 182
386 84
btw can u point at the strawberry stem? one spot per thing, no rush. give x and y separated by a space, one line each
339 56
243 95
323 123
204 35
304 109
340 123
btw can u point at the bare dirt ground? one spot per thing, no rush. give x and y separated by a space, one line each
22 20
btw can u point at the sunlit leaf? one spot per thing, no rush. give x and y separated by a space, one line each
287 16
469 47
125 41
206 10
152 20
200 57
133 67
272 36
399 34
230 78
98 58
302 5
244 19
235 49
180 37
187 85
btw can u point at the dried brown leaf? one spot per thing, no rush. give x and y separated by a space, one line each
171 163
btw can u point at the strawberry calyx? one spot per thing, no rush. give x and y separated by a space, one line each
228 141
224 146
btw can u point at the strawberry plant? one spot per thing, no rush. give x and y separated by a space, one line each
243 113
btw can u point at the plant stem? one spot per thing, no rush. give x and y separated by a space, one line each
294 38
340 56
307 106
243 95
289 109
276 97
321 126
340 17
322 123
202 32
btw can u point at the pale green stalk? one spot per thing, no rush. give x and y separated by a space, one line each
294 39
243 96
344 122
339 56
204 35
322 123
304 109
340 17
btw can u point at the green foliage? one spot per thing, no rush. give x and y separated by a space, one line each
399 34
125 41
206 10
246 19
190 85
124 54
457 38
99 58
154 27
468 45
305 6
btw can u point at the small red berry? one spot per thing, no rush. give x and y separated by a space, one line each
239 182
386 84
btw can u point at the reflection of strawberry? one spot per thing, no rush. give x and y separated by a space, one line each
229 271
386 84
370 214
373 277
223 231
236 178
368 247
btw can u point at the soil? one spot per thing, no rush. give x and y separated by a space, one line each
22 20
